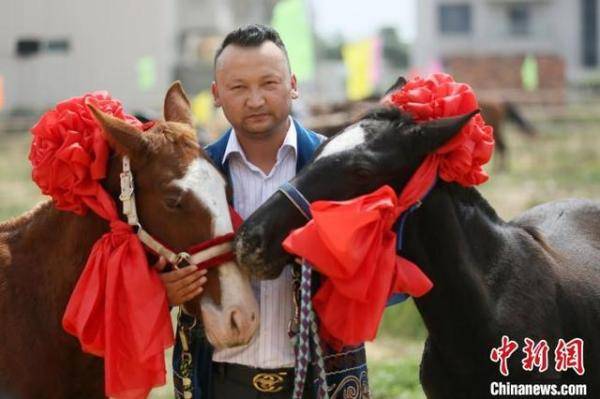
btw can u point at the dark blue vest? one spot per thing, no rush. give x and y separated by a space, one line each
347 369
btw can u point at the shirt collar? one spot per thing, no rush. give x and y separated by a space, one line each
290 141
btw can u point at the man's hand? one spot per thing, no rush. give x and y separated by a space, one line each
181 284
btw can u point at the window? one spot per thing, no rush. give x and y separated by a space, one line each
455 18
519 19
58 46
27 47
589 33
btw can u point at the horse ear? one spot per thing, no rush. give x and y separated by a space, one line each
400 82
437 132
177 107
125 138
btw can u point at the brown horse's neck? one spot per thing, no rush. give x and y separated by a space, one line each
45 251
48 248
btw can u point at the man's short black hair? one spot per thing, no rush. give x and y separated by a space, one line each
252 36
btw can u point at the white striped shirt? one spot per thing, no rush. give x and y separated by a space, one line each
271 347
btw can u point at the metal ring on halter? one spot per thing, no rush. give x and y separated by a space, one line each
182 256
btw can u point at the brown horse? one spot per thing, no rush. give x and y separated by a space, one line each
181 201
496 113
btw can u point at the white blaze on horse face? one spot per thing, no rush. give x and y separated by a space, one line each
347 140
208 185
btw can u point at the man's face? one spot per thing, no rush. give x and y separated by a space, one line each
255 88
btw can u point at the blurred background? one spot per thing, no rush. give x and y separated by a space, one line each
536 59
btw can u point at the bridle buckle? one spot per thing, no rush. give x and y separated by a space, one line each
182 257
126 186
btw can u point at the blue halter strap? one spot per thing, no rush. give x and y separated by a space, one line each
301 203
297 199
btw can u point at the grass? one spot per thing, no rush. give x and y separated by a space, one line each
563 162
17 192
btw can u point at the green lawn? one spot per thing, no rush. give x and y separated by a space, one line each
563 162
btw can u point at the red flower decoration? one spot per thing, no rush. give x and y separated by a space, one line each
439 96
69 152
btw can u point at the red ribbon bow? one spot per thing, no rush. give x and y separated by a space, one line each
351 242
119 308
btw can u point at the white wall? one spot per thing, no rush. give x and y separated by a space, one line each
107 38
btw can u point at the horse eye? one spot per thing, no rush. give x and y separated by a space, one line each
363 172
173 203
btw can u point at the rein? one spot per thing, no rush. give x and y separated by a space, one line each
308 320
205 255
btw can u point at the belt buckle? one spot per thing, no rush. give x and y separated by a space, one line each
269 382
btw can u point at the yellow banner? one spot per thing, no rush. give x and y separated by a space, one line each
359 58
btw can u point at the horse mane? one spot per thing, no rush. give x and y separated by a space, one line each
12 225
388 114
473 197
173 132
21 220
538 237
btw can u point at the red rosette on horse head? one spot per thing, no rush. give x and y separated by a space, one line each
118 308
352 243
439 96
69 152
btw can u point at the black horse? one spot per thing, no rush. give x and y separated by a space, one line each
535 277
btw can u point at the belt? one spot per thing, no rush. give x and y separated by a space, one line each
263 380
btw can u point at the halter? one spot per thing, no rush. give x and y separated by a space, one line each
207 254
301 203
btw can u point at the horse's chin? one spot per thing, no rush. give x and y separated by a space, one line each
259 268
219 344
272 270
253 260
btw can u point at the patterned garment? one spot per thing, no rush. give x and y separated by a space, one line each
347 373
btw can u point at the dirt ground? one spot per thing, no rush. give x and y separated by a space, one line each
564 161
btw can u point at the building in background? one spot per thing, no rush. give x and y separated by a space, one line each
489 43
52 50
201 26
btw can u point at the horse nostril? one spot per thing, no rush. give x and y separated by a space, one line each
253 317
236 320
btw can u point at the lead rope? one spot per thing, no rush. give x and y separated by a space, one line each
186 364
308 329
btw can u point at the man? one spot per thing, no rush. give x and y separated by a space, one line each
265 148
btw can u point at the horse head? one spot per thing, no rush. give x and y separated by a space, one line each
181 201
384 147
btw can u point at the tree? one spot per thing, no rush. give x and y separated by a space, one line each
394 50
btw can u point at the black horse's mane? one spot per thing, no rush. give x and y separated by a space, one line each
389 114
470 195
